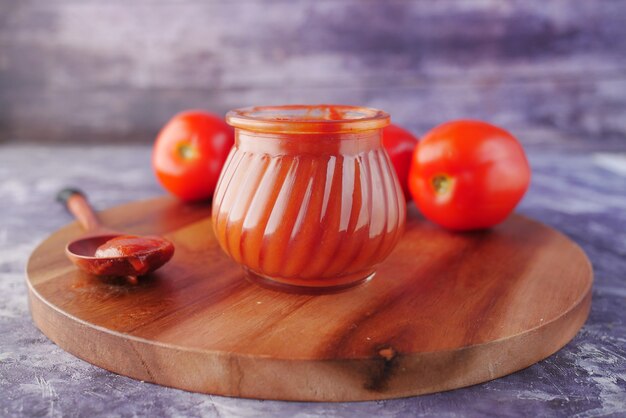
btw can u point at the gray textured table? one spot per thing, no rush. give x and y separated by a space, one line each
582 193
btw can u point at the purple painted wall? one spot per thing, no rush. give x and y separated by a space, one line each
74 70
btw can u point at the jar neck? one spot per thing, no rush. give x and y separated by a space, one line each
316 144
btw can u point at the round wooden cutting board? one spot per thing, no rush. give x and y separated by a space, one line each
444 310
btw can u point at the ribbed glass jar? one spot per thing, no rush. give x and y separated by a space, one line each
308 198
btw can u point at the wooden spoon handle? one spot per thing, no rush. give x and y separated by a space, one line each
76 202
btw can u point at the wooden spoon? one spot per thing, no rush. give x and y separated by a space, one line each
126 255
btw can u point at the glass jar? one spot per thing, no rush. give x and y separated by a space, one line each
308 198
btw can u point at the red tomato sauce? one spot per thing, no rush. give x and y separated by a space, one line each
309 209
128 245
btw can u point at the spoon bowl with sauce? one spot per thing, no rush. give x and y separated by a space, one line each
109 253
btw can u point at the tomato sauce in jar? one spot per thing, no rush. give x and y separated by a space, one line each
308 198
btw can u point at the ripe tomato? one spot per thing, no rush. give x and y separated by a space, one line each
189 153
468 175
399 144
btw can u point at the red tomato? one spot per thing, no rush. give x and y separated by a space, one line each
189 153
400 145
468 175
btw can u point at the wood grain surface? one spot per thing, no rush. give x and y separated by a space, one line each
90 71
444 311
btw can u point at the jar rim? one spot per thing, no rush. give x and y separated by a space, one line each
308 119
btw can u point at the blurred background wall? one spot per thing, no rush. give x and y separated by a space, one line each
76 70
